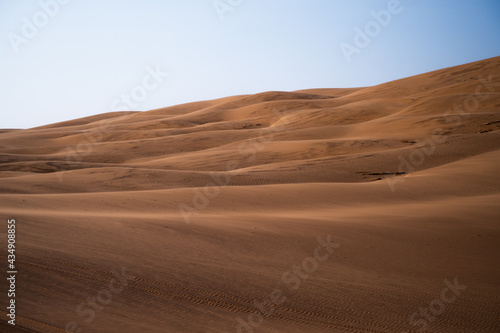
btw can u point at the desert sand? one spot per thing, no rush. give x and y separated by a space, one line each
369 209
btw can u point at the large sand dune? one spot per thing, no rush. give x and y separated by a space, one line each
186 218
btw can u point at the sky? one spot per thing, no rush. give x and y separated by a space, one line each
66 59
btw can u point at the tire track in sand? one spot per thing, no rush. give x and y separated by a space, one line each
230 303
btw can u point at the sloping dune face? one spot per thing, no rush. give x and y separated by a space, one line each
325 210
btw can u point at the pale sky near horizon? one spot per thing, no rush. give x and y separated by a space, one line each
62 60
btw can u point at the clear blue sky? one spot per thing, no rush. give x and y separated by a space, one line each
84 56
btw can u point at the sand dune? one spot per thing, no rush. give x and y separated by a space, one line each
205 210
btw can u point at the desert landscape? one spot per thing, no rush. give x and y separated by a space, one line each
372 209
